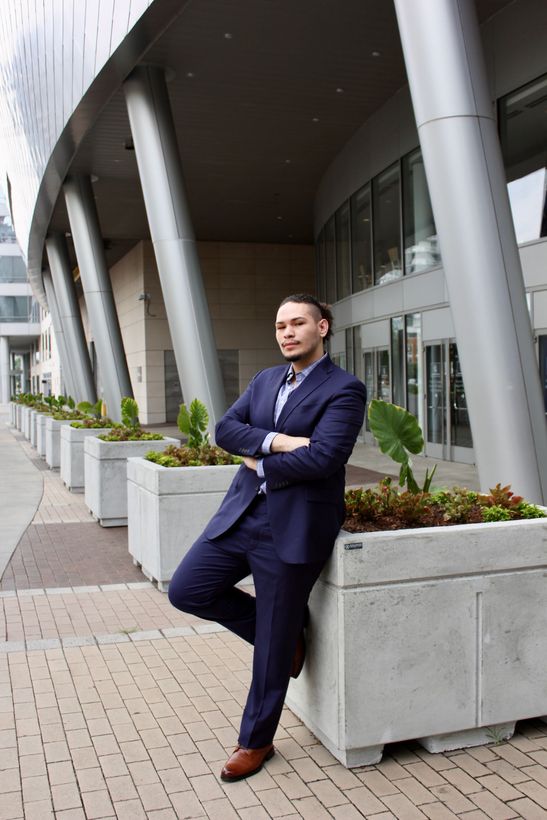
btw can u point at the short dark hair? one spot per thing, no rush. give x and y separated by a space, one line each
308 299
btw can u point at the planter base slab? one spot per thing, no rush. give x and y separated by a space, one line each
470 737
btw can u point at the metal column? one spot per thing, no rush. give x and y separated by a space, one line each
464 168
101 308
5 393
66 369
173 237
70 318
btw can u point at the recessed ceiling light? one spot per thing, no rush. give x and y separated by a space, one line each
279 217
376 53
315 119
339 90
287 162
190 74
227 35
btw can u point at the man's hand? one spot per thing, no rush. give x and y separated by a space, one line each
286 444
249 462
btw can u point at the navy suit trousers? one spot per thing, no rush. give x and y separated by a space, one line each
204 585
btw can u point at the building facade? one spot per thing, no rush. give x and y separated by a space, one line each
174 169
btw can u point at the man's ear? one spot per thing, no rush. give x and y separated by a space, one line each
323 327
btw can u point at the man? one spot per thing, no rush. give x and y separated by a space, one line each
295 428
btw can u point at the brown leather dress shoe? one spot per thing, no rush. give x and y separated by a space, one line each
245 762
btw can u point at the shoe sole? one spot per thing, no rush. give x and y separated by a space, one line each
234 778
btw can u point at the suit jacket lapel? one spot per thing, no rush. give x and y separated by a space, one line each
277 381
318 375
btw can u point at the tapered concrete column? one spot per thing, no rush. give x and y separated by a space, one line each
5 393
67 376
173 237
466 178
101 308
70 318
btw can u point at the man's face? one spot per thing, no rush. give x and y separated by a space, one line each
300 330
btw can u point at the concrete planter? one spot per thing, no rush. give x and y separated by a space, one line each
72 454
105 468
13 414
33 415
53 441
25 421
18 415
41 434
168 507
438 635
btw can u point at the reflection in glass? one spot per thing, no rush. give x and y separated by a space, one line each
349 350
459 416
383 388
330 261
435 398
361 240
421 243
343 251
414 378
523 135
398 360
357 353
387 225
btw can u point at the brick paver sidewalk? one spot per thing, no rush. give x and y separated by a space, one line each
114 705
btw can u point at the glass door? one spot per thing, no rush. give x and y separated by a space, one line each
447 430
376 378
435 400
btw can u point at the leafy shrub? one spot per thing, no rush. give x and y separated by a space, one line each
121 433
94 424
205 456
197 452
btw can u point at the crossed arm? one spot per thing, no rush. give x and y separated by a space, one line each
297 458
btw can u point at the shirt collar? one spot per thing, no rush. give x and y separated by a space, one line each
301 375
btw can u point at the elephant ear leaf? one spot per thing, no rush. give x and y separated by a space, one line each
395 429
130 412
183 420
199 415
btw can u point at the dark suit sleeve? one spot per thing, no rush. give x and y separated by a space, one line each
234 433
331 443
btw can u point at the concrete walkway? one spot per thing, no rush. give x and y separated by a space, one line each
21 489
115 705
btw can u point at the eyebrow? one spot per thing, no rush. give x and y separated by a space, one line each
288 321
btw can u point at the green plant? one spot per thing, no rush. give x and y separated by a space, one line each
205 456
122 433
398 433
92 410
130 413
194 423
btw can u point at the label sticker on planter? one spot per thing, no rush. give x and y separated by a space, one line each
354 545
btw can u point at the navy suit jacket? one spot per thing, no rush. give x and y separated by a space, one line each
306 487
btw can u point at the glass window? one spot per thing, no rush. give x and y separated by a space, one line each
349 350
543 366
361 240
383 388
12 269
387 225
320 267
14 308
421 243
343 250
357 353
398 360
460 426
330 261
523 136
414 378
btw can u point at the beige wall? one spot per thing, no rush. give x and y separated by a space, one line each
244 283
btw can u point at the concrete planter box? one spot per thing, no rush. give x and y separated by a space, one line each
18 415
105 468
41 434
168 507
13 414
438 634
72 454
25 421
33 415
53 441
